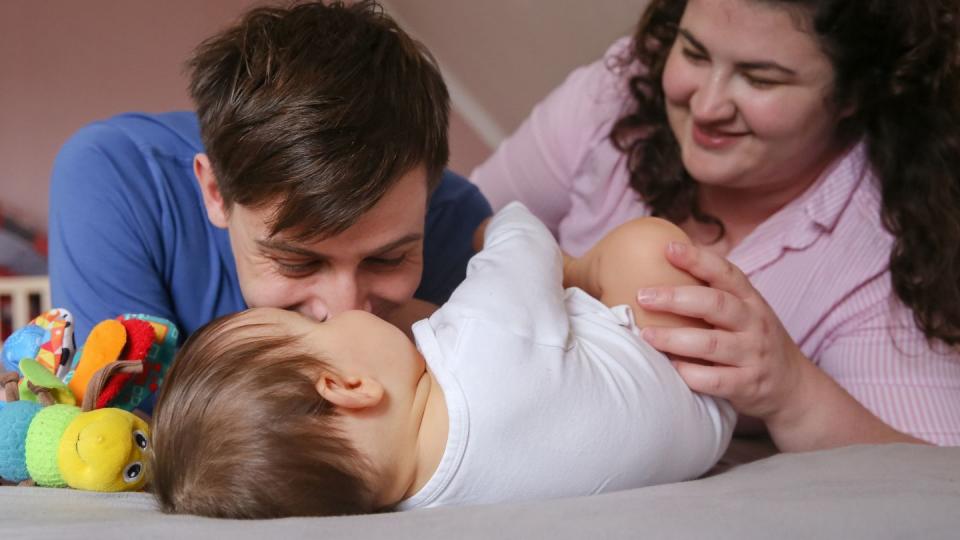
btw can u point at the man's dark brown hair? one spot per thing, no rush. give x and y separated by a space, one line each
319 108
241 432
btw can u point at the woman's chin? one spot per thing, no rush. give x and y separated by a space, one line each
711 172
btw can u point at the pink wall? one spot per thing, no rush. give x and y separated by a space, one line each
64 63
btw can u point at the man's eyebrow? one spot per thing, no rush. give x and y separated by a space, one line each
744 66
280 245
293 249
402 241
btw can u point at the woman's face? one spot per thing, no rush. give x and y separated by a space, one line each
748 96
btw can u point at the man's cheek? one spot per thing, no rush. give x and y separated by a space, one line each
398 287
276 292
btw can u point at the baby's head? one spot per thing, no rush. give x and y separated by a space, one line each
266 413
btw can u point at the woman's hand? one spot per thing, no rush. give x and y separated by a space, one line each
750 359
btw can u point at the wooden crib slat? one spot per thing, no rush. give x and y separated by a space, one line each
19 309
19 289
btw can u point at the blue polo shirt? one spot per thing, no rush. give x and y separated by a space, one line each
129 232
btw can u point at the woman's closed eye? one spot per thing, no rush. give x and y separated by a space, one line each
694 56
760 82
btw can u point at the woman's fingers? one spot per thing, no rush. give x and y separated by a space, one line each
716 307
715 270
719 381
712 345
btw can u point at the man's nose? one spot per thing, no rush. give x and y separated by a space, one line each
712 102
335 294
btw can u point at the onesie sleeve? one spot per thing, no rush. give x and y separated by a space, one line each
537 164
516 281
886 363
104 233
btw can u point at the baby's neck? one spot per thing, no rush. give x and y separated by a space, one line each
432 439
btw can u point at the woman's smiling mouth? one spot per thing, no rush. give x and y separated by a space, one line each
713 139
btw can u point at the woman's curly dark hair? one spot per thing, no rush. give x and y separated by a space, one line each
898 63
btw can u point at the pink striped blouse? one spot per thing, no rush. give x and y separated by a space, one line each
820 262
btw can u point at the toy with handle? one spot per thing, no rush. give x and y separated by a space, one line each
46 439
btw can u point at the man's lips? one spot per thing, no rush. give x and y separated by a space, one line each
715 139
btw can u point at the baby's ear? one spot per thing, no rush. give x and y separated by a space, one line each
350 392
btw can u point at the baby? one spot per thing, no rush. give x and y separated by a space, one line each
515 389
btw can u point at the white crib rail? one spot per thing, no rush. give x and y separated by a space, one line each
19 289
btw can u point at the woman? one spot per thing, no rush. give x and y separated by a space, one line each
810 150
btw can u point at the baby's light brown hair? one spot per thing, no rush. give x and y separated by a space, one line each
241 432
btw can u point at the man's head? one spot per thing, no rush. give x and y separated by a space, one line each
315 118
267 413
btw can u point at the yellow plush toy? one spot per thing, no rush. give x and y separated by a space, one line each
105 450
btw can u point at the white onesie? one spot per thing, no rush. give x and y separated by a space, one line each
550 393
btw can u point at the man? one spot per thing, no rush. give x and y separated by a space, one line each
311 178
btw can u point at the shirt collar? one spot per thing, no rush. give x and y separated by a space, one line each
831 193
801 222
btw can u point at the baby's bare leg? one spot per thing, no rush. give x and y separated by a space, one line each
629 258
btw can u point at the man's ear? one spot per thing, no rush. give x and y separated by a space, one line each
212 199
350 392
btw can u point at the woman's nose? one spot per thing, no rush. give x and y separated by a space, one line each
711 102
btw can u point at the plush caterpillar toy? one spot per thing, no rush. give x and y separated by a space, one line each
45 438
61 445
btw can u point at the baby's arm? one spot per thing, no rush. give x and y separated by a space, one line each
629 258
516 280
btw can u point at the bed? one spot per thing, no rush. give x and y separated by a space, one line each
873 491
893 491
